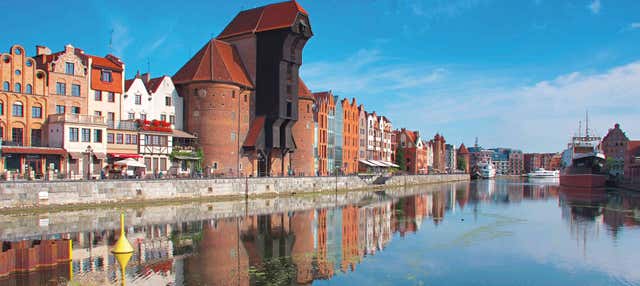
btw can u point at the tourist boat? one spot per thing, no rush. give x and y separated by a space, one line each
486 170
542 173
583 162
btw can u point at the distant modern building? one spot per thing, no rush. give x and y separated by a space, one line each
533 161
507 161
450 158
614 146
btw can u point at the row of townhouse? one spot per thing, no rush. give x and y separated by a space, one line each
424 156
71 114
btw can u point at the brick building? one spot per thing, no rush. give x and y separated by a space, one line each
632 162
350 142
325 106
413 149
463 155
24 105
614 146
302 160
439 162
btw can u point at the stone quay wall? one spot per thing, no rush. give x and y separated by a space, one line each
15 195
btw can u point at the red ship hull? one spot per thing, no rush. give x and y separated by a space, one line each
583 180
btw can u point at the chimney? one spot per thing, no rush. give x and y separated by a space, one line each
145 77
42 50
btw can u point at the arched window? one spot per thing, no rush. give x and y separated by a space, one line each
28 89
18 51
17 109
5 86
17 87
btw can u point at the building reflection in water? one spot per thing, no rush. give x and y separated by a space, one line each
293 247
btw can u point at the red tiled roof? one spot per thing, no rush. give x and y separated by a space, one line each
216 61
254 132
270 17
127 84
463 149
106 62
303 90
154 83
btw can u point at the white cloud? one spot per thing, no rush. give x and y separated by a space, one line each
595 6
634 25
120 38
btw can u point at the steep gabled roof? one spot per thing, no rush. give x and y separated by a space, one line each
154 83
217 61
303 90
270 17
463 149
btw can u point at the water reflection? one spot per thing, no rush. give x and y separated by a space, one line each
304 246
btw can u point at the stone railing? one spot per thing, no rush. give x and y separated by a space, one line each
77 118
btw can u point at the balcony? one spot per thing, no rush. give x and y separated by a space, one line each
76 118
123 125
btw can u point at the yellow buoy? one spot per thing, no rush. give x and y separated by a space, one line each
123 249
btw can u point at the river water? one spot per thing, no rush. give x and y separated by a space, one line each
496 232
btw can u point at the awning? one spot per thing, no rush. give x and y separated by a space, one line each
124 155
378 164
76 155
182 134
100 156
367 163
130 162
33 150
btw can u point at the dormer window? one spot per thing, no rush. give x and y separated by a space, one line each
105 76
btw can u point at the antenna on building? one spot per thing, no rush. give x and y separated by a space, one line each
586 129
111 41
476 145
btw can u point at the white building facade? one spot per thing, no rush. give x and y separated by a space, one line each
152 99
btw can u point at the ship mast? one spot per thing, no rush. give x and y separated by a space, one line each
586 129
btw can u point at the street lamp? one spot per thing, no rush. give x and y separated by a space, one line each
89 151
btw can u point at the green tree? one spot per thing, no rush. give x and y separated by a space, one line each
462 163
400 159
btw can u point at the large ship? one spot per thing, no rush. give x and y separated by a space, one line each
486 170
583 162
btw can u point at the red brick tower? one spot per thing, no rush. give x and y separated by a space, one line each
217 100
463 153
303 133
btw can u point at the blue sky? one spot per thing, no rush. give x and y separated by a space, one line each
513 73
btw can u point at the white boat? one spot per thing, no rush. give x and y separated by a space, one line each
486 170
542 173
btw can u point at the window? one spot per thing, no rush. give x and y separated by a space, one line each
163 117
59 109
167 101
17 136
18 51
36 137
73 134
86 135
5 86
97 95
245 98
75 90
172 119
29 63
17 87
143 116
97 136
131 116
69 68
127 139
105 76
147 139
111 97
17 109
1 108
97 113
134 139
61 88
28 89
110 138
233 137
36 112
119 138
111 116
75 110
215 165
138 98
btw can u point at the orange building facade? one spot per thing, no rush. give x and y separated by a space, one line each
350 139
24 104
324 106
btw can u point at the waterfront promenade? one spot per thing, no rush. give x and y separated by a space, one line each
46 195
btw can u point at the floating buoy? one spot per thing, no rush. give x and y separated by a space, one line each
122 250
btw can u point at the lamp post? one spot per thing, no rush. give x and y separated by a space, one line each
89 151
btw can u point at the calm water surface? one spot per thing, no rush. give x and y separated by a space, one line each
498 232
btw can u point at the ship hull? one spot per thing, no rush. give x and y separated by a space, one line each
583 180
